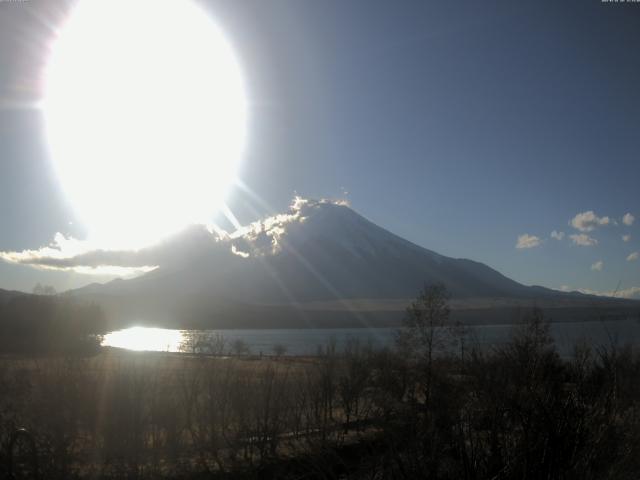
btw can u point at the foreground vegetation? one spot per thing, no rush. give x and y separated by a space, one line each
436 406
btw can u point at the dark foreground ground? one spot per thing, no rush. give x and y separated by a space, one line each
514 412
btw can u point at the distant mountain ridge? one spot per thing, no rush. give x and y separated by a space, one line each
320 252
6 295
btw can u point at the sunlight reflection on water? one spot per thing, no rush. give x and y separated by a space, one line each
145 339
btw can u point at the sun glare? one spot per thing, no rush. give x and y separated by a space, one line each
145 112
145 339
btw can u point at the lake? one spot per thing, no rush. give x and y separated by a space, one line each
306 341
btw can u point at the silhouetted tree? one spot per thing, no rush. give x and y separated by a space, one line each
40 289
199 342
424 331
279 349
240 347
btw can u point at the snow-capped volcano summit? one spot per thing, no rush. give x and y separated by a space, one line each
324 250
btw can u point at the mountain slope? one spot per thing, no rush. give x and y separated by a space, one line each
6 295
320 252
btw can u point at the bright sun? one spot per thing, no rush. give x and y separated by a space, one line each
145 112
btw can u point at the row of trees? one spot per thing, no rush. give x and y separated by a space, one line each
46 323
203 342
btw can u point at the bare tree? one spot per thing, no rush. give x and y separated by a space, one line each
279 349
40 289
240 347
203 343
424 331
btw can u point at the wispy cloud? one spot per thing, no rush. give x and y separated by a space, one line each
628 219
626 238
628 293
633 257
588 221
557 235
583 240
633 292
264 237
61 253
527 241
597 266
82 256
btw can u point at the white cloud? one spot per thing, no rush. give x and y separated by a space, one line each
80 256
597 266
566 288
264 237
557 235
588 221
583 240
86 258
527 241
628 219
633 256
633 292
626 238
629 293
240 253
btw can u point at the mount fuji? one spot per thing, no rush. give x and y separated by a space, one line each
320 264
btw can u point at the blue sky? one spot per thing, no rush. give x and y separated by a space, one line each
457 125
